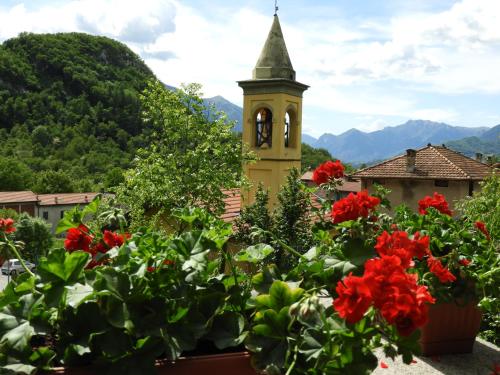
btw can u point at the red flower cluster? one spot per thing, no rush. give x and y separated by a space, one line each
482 227
326 171
464 262
7 226
443 274
398 243
80 239
386 286
353 206
438 202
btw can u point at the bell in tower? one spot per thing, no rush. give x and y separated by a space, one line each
272 117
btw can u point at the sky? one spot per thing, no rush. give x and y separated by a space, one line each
369 63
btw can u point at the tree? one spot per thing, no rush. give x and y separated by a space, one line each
312 157
36 235
53 182
292 221
254 216
14 175
190 158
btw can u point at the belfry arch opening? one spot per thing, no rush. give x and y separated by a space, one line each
264 128
290 129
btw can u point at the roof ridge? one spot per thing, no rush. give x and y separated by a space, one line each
450 162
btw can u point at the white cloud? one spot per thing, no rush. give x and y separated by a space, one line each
351 66
139 23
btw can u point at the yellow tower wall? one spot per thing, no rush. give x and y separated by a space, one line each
275 162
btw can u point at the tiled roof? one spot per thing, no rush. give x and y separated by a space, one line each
432 162
17 197
233 205
65 198
348 185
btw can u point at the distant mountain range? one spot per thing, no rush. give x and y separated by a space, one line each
357 147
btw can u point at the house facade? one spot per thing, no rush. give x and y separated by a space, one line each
422 172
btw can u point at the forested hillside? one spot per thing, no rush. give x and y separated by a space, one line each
70 114
69 111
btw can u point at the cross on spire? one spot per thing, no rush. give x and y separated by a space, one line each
276 7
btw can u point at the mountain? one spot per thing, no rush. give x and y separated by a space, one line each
487 143
308 140
356 146
69 110
233 112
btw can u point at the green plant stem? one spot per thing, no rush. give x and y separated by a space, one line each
18 256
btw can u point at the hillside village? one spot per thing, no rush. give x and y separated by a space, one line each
146 229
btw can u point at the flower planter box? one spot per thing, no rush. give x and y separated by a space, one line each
221 364
451 329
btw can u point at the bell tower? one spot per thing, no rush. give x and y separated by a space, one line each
272 117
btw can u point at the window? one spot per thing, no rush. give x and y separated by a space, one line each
441 183
287 130
45 215
62 214
264 128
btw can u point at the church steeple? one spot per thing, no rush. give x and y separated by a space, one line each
272 117
274 61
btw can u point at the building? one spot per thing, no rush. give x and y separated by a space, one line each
51 207
422 172
19 201
272 117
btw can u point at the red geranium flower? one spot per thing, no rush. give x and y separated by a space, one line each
354 298
399 244
438 202
464 262
326 171
482 227
78 239
114 239
7 226
443 274
353 206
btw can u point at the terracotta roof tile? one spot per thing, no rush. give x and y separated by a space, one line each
17 197
65 198
233 205
432 162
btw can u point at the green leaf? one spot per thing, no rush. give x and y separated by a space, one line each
282 295
19 368
63 266
254 254
312 344
357 252
18 338
71 219
77 293
92 207
227 330
263 280
340 267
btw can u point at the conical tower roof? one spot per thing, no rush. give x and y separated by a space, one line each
274 61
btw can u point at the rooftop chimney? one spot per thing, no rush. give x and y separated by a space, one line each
411 156
479 156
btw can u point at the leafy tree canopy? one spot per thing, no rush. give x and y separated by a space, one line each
69 102
189 160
